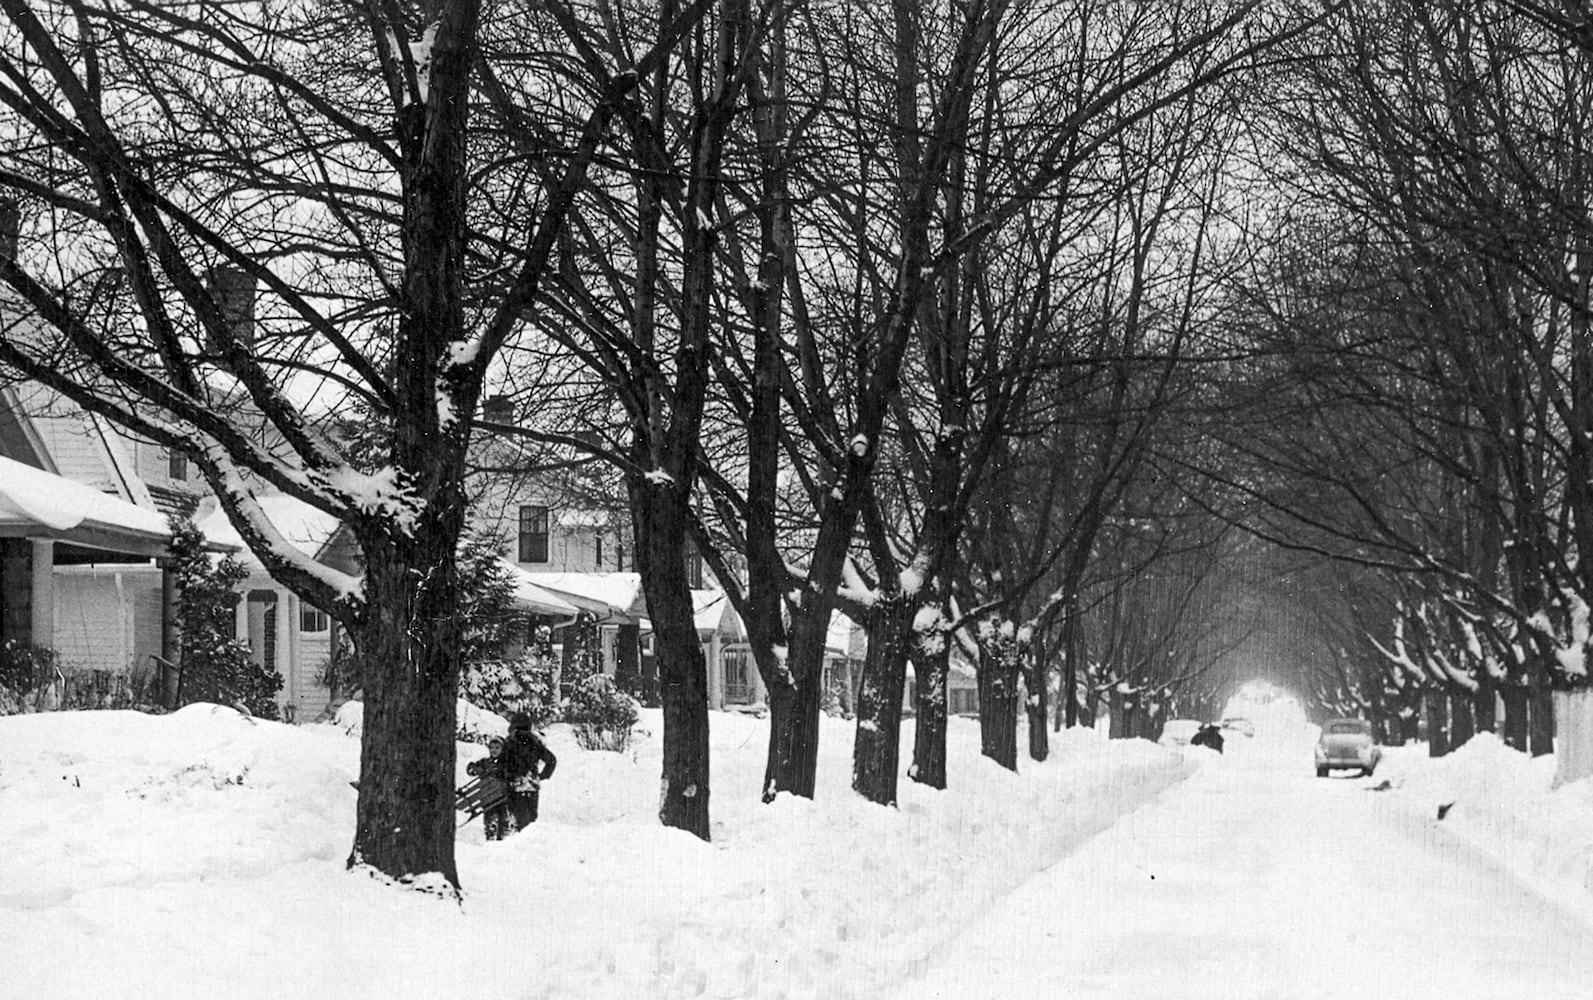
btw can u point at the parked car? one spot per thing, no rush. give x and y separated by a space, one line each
1347 744
1239 725
1178 732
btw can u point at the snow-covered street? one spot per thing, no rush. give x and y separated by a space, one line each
1255 879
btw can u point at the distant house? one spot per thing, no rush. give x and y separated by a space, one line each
295 639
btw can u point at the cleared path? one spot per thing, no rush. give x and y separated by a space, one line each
1255 879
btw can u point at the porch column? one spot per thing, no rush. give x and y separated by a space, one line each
43 612
241 616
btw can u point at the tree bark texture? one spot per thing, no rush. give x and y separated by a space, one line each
1462 724
1037 707
1540 741
1435 705
932 670
409 650
998 697
1516 707
660 514
876 751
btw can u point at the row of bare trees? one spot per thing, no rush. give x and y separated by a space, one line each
883 307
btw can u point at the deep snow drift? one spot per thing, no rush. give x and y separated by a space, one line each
200 854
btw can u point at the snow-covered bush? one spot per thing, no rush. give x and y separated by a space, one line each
601 714
508 686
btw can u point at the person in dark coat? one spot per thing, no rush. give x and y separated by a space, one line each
527 762
1210 735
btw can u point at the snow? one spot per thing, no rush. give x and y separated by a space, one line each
1255 880
202 854
618 592
529 594
32 496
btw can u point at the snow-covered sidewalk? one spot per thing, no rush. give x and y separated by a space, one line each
201 855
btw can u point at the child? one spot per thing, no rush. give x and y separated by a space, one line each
497 820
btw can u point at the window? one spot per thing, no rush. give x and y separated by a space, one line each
599 540
533 534
313 619
177 465
694 570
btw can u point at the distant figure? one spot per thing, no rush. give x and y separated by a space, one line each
1210 735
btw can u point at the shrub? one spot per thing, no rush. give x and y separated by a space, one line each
26 670
508 686
601 714
216 667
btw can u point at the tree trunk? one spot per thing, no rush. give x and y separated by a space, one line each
1542 722
409 648
1119 708
1516 707
1485 704
1462 726
998 696
876 752
660 515
1038 708
1435 705
796 702
1573 720
409 631
932 670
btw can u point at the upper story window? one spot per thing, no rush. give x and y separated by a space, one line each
313 619
533 534
599 541
177 465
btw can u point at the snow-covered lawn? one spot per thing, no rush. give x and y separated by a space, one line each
201 854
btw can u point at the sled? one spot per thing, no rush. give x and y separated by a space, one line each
478 795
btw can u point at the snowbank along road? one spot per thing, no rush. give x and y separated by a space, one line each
1256 879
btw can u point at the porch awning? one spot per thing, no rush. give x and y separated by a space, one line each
538 599
39 504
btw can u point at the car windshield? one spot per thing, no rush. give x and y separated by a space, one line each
1346 727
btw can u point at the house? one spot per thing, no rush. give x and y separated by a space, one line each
284 633
81 534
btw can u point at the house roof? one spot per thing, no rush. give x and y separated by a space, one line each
308 528
610 595
536 598
36 503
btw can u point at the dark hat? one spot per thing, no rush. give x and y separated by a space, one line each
520 720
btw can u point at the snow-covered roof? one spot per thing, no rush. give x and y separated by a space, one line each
602 593
41 502
538 599
308 528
